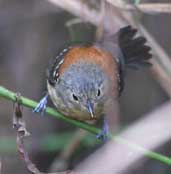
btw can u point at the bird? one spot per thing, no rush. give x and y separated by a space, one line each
85 80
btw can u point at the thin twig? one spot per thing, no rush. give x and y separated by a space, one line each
100 28
20 126
31 104
151 8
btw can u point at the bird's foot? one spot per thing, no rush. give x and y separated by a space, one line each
41 106
104 133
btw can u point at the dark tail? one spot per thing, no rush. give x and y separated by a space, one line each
134 51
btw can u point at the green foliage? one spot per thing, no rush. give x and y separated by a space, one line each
49 143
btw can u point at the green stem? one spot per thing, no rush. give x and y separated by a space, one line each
5 93
32 104
145 152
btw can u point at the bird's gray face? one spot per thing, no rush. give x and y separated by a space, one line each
81 91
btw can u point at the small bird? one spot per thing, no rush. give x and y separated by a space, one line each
85 80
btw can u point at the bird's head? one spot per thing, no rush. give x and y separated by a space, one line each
81 91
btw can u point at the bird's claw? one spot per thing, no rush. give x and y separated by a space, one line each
104 133
41 106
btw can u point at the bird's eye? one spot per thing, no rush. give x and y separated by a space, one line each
75 97
98 92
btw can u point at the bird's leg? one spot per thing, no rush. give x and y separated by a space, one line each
105 130
41 106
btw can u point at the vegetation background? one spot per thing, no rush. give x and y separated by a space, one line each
30 34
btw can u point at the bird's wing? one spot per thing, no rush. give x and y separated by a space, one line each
53 69
55 64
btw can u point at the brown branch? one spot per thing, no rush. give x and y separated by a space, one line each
150 8
20 126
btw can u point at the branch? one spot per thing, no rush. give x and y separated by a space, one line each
150 8
9 95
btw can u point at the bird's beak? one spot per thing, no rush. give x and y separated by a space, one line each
90 108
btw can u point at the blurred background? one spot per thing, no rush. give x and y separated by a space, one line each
30 34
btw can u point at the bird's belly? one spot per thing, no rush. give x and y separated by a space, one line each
76 113
79 115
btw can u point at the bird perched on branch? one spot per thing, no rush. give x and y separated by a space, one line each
86 80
